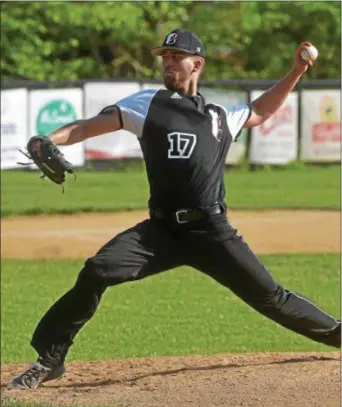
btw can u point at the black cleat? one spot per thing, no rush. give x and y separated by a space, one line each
35 375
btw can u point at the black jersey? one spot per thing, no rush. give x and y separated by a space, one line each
184 143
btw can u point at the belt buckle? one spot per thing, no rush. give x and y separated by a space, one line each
180 212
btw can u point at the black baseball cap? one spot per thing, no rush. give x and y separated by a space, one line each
181 40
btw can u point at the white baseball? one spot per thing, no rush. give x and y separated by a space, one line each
309 54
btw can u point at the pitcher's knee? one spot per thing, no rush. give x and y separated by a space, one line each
97 271
272 301
91 273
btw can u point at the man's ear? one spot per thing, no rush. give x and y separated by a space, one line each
198 65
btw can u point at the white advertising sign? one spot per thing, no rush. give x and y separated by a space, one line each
276 140
321 125
237 149
14 126
52 109
118 144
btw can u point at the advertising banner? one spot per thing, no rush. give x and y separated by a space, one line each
321 125
229 98
52 109
118 144
14 126
276 140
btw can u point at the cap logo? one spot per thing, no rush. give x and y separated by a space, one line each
171 39
198 49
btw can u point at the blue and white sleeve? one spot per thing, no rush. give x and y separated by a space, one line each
133 110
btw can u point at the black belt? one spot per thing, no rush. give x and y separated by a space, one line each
187 215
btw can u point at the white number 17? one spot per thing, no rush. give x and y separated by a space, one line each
181 145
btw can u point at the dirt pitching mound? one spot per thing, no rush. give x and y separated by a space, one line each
263 380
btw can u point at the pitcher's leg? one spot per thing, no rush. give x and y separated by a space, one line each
134 254
54 333
234 265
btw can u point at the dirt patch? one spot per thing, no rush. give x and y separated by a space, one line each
261 380
264 380
80 236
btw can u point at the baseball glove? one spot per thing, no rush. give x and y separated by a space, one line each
48 158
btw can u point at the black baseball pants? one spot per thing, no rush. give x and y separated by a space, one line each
212 246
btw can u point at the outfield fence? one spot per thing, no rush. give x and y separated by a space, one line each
307 127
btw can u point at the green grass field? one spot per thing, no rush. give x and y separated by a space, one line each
295 187
180 312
